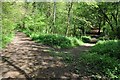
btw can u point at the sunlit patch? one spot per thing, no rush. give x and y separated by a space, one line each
12 74
64 77
46 50
48 58
87 44
44 63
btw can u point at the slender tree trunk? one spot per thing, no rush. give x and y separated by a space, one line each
33 13
99 28
48 14
99 24
23 24
54 16
117 20
83 31
74 31
69 14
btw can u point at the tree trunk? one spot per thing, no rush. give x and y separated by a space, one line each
107 19
99 28
99 24
48 14
68 22
54 16
74 30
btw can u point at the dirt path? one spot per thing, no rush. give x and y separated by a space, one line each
31 58
77 50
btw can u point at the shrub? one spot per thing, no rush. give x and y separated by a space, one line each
54 40
6 39
102 60
75 41
95 64
110 48
104 38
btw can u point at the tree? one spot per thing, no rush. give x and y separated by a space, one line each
110 12
69 17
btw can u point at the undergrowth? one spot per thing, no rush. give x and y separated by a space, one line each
6 39
54 40
110 48
103 60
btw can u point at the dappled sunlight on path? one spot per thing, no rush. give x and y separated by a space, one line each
88 44
34 60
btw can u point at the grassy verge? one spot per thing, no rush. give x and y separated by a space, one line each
103 60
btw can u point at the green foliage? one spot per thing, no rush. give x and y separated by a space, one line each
95 63
110 48
86 39
38 21
6 39
11 14
104 38
44 24
47 18
7 24
76 41
57 40
54 40
102 60
101 65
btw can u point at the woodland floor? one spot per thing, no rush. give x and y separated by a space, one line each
27 58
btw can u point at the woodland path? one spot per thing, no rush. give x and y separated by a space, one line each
32 59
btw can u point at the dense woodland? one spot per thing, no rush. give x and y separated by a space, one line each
67 25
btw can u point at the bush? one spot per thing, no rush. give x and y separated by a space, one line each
104 38
54 40
6 38
57 41
110 48
7 33
102 60
102 65
75 41
61 41
86 39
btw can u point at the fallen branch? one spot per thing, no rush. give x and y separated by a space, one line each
5 59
